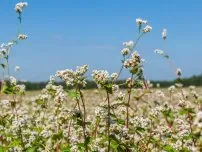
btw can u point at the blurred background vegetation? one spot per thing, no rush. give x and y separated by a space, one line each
194 80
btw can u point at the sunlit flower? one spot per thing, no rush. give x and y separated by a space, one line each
22 37
147 29
129 45
140 21
164 34
19 6
17 68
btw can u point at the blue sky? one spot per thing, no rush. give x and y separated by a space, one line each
66 33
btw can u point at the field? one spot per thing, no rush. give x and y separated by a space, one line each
139 118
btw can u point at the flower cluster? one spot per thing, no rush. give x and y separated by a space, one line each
20 6
74 78
101 77
22 37
134 61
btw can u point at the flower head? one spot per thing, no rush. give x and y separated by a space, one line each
164 34
19 6
147 29
129 45
22 37
17 68
140 21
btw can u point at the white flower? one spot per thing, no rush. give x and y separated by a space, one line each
178 72
19 6
140 21
22 37
164 34
17 68
100 76
161 52
129 45
171 88
12 80
52 78
147 29
198 120
114 76
125 51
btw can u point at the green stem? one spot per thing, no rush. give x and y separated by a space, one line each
129 97
108 122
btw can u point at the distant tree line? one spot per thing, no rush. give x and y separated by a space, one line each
194 80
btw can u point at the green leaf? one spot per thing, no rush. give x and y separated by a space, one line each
169 148
73 94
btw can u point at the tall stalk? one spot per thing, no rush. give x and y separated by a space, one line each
129 98
108 122
84 118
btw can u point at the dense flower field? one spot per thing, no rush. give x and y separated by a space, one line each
109 119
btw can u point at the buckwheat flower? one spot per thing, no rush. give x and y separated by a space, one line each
115 88
198 120
120 96
52 79
17 68
171 88
140 21
164 34
100 76
157 51
19 6
125 51
129 45
10 44
178 72
114 76
192 88
130 82
12 80
147 29
22 37
81 70
20 88
134 61
73 78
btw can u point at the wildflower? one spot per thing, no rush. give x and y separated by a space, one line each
171 88
73 78
114 76
134 61
20 88
22 37
125 51
120 96
52 78
164 34
161 52
19 6
100 76
12 80
178 72
198 120
140 21
17 68
129 45
147 29
130 82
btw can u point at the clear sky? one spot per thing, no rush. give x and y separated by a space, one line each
66 33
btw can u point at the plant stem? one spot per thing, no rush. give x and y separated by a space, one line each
84 119
108 122
129 97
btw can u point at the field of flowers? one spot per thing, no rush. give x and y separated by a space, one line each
107 119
